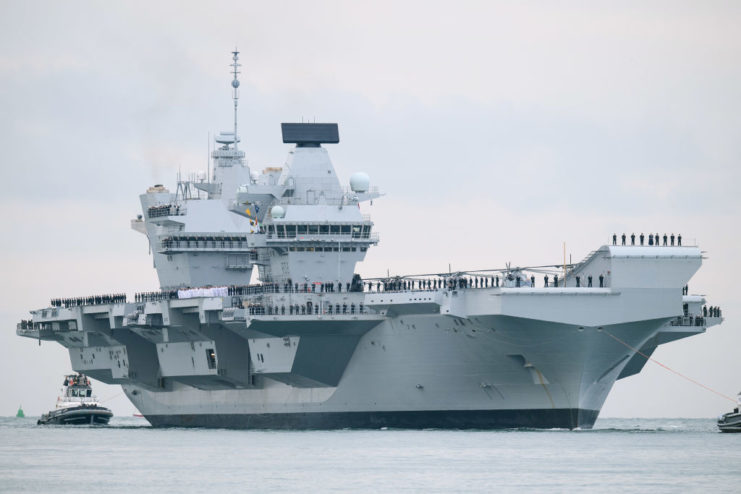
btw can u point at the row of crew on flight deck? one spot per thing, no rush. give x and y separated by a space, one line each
291 287
652 239
357 285
712 311
306 309
156 296
453 283
91 300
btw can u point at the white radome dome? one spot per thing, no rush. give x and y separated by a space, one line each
360 182
277 212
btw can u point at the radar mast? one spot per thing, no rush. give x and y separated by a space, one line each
235 90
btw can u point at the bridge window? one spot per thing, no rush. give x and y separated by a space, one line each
334 229
323 229
302 229
313 229
356 231
345 229
290 231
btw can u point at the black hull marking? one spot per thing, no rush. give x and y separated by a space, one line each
562 418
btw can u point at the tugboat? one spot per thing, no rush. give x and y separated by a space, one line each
731 421
76 404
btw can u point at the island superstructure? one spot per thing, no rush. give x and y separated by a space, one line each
313 345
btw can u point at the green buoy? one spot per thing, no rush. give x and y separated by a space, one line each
20 413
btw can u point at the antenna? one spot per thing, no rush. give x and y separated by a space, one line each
235 89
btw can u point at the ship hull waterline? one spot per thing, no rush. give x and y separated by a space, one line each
429 419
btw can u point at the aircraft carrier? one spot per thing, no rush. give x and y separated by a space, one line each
313 345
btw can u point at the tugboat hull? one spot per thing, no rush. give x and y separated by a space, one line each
82 415
730 422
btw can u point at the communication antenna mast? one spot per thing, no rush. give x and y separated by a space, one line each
235 89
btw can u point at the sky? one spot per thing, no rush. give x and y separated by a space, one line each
497 130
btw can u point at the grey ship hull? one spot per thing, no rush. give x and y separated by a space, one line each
465 358
424 372
431 371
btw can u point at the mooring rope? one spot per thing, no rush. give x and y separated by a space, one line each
112 397
732 400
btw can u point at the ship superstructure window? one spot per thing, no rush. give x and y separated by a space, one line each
211 358
215 242
325 249
291 231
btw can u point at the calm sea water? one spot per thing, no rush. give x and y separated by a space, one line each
619 455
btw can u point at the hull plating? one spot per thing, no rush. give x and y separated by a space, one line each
430 371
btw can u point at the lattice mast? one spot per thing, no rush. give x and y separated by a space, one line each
235 90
